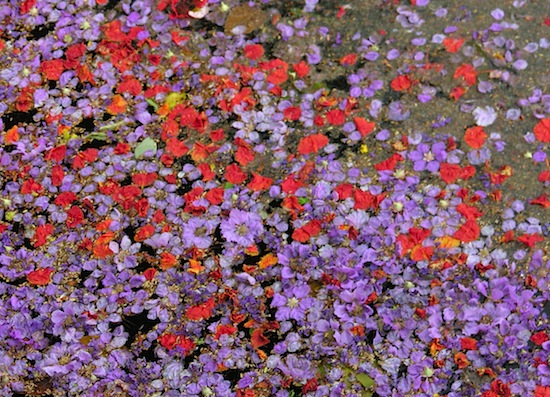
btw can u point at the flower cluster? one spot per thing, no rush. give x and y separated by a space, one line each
188 206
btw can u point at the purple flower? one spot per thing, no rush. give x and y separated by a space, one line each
428 158
242 227
294 304
484 116
197 233
299 369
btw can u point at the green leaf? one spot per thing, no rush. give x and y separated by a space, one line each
98 136
146 145
303 200
152 103
228 185
365 380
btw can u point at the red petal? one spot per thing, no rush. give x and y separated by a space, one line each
312 143
475 137
468 232
363 126
40 276
449 172
401 83
253 51
542 130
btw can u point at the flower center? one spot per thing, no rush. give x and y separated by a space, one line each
242 230
429 156
293 302
200 231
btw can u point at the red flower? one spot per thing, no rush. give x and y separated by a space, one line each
468 344
301 69
541 200
217 135
40 276
75 217
363 126
176 147
401 83
57 175
234 174
344 191
389 164
539 338
64 199
468 232
259 182
253 51
542 130
130 85
222 329
168 341
149 274
312 143
292 113
363 199
542 391
348 59
290 185
311 386
468 212
30 186
215 195
500 388
475 137
202 311
452 44
449 172
457 92
206 172
335 117
530 239
544 176
144 179
467 172
26 6
52 69
244 154
144 232
467 72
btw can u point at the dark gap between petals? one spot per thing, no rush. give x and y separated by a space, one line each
41 31
16 117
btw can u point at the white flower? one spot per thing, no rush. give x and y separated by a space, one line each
484 116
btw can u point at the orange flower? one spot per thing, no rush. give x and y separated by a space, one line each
461 360
12 135
167 260
117 106
267 260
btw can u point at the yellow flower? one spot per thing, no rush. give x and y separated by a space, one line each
364 149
